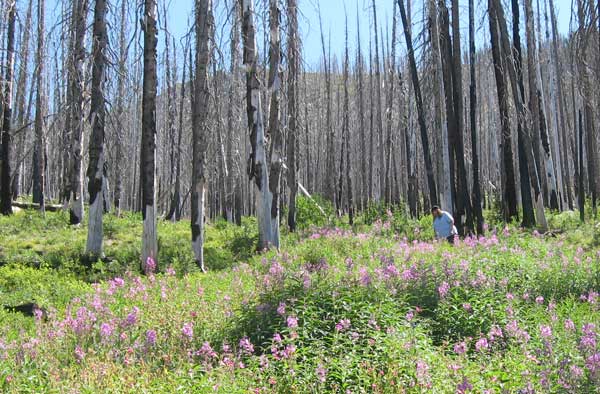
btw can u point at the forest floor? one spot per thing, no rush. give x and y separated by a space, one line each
374 309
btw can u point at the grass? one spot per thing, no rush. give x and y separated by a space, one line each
376 308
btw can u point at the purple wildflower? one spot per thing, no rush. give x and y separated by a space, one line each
443 289
292 322
321 373
545 331
188 330
460 348
246 346
106 330
482 345
150 337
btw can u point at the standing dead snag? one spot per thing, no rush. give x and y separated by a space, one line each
346 130
477 210
76 87
39 150
200 126
257 166
5 169
419 101
96 145
148 149
294 63
275 135
122 70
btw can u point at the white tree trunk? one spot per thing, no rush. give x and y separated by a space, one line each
258 160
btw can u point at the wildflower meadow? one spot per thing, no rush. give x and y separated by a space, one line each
337 310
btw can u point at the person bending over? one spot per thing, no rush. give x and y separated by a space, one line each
443 224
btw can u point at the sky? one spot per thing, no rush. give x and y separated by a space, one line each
333 17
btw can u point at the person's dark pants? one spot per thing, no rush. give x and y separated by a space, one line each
451 239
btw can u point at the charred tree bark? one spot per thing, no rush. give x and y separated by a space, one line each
257 166
294 63
76 107
477 210
419 101
275 135
463 198
204 29
508 174
5 169
97 119
21 116
39 150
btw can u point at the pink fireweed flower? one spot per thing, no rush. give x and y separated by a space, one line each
288 351
463 387
343 325
150 265
188 330
410 315
569 325
106 330
132 317
443 289
170 271
277 338
545 331
79 354
321 373
576 371
460 348
539 300
292 322
365 278
200 291
281 308
495 332
246 346
592 363
482 344
467 307
150 337
422 370
206 351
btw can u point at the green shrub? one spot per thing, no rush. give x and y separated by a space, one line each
308 213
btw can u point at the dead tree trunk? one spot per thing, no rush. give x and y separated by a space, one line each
175 209
389 184
346 131
122 70
275 135
97 118
39 150
445 179
76 107
5 169
419 101
477 210
204 29
509 193
257 166
21 117
562 130
462 196
148 144
292 132
581 186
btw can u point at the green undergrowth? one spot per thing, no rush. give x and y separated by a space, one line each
374 308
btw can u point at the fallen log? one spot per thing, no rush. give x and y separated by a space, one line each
31 205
